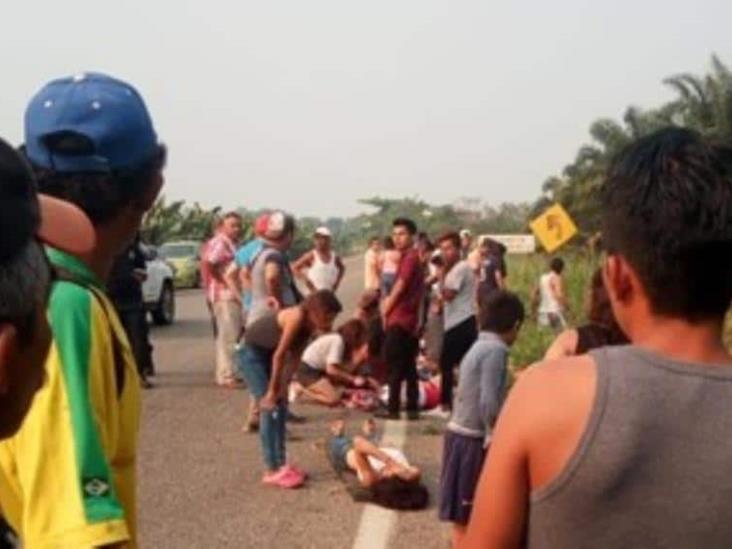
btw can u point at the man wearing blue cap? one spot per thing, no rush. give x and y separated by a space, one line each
67 479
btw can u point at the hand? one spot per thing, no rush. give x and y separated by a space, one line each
373 384
268 401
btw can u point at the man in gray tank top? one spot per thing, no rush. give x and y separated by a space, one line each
632 446
272 283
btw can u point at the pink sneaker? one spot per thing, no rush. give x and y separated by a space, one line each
289 479
272 478
297 470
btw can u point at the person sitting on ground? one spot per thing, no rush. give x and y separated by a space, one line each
322 369
385 476
601 330
549 300
631 445
482 384
271 344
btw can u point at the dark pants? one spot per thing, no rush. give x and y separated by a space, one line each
400 354
457 342
134 321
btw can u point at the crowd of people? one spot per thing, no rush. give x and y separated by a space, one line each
618 437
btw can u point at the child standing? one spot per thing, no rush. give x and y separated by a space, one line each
482 381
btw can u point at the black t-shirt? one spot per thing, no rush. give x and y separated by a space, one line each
123 287
492 265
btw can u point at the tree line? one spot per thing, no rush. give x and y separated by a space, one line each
703 103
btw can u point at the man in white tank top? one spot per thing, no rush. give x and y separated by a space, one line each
550 297
320 268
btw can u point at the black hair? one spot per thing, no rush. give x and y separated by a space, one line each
392 493
668 211
374 239
501 311
388 243
452 237
557 265
232 215
101 195
323 300
407 223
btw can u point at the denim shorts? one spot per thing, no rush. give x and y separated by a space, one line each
338 448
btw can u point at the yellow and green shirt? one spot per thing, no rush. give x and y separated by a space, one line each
67 478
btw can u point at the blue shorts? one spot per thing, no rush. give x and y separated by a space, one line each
338 448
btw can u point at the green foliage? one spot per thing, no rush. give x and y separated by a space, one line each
523 278
702 103
177 221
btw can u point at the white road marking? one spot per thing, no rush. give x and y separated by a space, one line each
377 523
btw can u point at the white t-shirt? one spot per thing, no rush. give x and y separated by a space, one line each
327 349
460 279
394 453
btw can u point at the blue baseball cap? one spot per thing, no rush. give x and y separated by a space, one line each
90 122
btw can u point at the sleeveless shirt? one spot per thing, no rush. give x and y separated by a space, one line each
652 468
323 274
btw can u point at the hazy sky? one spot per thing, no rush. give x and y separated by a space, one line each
312 104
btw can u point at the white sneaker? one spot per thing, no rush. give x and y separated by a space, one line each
438 413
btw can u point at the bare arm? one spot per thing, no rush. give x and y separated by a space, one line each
557 287
272 274
500 280
335 372
290 321
563 346
341 272
301 265
231 277
391 300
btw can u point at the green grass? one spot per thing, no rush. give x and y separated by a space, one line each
523 276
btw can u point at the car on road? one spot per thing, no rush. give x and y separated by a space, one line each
158 290
185 256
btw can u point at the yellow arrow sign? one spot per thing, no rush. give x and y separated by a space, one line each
554 228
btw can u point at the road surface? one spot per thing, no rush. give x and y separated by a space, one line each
199 474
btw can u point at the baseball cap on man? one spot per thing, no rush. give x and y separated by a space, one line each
24 213
323 231
278 225
90 122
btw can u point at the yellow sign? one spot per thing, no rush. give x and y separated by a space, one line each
554 228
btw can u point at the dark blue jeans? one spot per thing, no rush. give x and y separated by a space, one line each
255 365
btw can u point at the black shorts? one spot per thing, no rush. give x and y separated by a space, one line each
462 463
307 375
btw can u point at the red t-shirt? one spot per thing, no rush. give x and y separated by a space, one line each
406 310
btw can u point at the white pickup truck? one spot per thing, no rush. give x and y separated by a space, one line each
158 290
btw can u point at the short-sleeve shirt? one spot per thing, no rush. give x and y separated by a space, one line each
220 254
460 279
244 258
327 349
405 313
67 478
